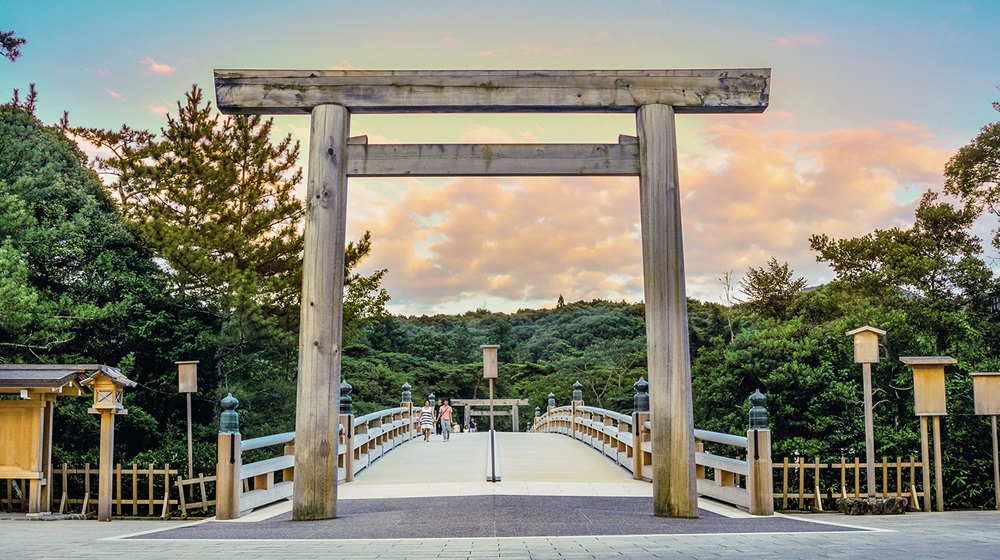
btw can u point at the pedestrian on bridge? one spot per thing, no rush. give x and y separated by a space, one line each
427 420
444 416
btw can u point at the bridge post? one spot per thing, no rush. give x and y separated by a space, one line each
228 486
577 402
406 401
346 421
760 478
639 433
668 352
514 414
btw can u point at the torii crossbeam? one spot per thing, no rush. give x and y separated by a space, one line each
331 96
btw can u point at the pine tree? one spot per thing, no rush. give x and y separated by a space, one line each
215 200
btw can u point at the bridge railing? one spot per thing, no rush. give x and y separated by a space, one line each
744 481
361 441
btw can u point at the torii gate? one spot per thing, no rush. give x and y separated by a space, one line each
331 96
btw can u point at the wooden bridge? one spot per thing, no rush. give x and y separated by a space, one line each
373 461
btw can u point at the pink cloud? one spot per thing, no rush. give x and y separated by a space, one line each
151 66
161 109
114 94
344 65
801 40
762 190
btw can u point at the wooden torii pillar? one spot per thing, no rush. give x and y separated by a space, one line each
331 96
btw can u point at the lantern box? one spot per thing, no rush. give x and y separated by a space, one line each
187 377
866 344
986 388
490 360
928 384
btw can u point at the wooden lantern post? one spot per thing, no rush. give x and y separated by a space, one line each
866 353
929 400
490 372
986 391
108 386
187 383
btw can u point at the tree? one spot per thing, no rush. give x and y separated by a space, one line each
973 173
772 290
70 270
938 258
10 46
214 197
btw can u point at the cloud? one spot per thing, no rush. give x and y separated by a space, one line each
759 189
114 94
103 72
151 66
160 109
344 65
801 40
449 40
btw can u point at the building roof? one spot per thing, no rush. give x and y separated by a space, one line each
54 376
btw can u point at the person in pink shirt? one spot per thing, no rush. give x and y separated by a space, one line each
444 415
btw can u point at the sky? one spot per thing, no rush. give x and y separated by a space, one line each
868 101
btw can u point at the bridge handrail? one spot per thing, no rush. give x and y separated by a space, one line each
725 439
267 441
370 437
379 414
607 413
626 440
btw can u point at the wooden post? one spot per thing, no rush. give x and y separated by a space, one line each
315 489
228 487
869 431
105 478
925 463
347 421
190 444
996 462
674 489
938 478
760 478
514 413
639 420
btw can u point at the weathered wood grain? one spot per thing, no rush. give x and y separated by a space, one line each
479 160
481 91
671 412
316 422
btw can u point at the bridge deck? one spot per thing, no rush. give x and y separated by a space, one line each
531 464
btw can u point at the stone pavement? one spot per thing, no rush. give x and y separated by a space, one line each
569 504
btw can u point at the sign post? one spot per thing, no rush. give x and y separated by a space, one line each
187 383
986 391
866 353
929 400
490 373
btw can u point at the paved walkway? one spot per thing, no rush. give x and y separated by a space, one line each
568 487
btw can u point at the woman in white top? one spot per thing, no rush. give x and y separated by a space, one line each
427 420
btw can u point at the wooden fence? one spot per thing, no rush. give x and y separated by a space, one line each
138 491
803 484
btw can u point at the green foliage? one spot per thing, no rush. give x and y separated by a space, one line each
772 290
214 197
973 173
938 258
10 45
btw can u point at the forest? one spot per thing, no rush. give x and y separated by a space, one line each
185 244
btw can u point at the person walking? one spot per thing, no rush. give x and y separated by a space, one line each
427 420
437 417
444 416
